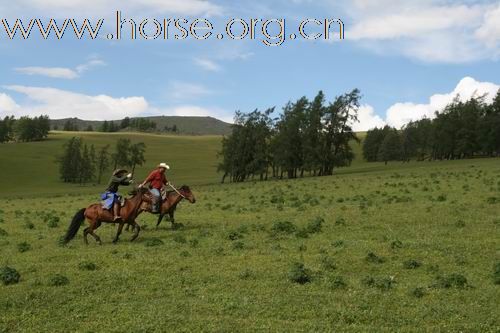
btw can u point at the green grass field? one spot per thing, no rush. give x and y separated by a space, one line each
404 247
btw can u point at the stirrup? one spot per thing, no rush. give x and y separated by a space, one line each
117 218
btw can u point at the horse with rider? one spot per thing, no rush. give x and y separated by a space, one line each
114 209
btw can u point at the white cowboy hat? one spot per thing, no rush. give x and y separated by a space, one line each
164 165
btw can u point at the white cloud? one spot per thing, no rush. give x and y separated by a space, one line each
207 64
180 91
52 72
98 8
58 103
401 113
489 31
427 30
7 105
367 119
61 72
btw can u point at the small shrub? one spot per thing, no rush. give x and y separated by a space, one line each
373 258
338 243
29 225
302 233
452 280
441 198
496 273
87 266
396 244
315 226
299 274
340 221
9 275
239 245
283 227
337 282
383 284
58 280
460 224
412 264
53 222
418 292
3 232
185 254
234 235
23 247
153 242
492 200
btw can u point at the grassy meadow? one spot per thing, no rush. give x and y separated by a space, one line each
398 248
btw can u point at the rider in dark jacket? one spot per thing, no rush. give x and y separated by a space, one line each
111 197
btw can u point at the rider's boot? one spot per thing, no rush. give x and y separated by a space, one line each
116 211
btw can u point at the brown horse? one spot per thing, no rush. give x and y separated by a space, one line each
170 203
96 214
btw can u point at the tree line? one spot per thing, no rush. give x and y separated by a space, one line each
461 130
81 163
308 137
24 129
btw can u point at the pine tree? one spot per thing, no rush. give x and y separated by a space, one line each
102 162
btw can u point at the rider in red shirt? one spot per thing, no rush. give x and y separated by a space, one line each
157 180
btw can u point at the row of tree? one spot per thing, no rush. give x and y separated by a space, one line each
24 129
309 136
461 130
81 163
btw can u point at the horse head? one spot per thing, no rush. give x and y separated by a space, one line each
187 194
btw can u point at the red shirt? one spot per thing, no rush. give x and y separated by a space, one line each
157 179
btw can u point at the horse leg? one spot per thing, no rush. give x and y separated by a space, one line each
172 220
85 233
118 232
127 228
93 226
137 229
160 218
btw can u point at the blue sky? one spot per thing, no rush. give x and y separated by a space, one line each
408 58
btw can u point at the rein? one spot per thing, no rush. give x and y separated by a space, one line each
179 193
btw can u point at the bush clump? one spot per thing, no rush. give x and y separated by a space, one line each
315 226
384 283
153 242
283 227
418 292
373 258
412 264
449 281
496 273
3 232
299 273
338 282
58 280
87 266
9 275
23 247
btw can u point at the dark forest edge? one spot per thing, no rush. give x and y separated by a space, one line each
462 130
312 137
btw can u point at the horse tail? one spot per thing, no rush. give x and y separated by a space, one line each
75 225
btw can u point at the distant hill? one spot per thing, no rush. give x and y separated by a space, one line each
184 125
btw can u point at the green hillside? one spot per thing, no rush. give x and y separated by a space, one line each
185 125
29 168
